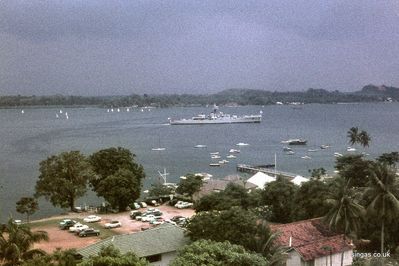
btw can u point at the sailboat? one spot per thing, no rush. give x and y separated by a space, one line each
159 148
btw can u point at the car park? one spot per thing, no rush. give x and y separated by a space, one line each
92 219
78 227
89 232
66 223
113 224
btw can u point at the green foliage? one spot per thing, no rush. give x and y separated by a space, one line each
119 177
58 258
390 158
110 256
382 196
16 242
63 178
354 168
233 195
317 173
27 205
235 225
279 196
206 252
310 200
363 138
120 188
158 190
190 185
345 214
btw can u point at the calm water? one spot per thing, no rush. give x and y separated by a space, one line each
26 139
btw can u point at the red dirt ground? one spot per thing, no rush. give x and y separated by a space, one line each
63 239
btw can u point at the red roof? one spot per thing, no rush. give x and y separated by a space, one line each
311 238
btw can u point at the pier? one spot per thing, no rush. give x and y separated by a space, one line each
267 169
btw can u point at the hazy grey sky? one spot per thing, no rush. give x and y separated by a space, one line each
124 47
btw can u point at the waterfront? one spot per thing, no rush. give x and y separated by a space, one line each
26 139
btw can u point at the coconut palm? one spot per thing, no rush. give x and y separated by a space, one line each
383 195
353 135
346 213
265 244
16 241
364 139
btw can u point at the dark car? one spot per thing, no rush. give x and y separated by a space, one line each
89 232
157 213
134 214
65 224
176 218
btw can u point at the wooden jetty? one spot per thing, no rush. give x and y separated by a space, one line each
245 168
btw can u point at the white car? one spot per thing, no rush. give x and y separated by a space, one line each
78 227
147 218
183 204
113 224
92 219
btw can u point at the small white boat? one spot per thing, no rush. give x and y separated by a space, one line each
350 149
324 146
306 157
225 161
118 110
56 116
22 111
214 164
214 153
287 148
112 110
221 162
290 153
200 146
215 157
231 156
60 111
234 151
127 109
312 150
158 149
107 110
337 154
242 144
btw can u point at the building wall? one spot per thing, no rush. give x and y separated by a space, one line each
336 259
166 259
294 259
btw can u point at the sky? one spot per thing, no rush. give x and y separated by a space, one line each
124 47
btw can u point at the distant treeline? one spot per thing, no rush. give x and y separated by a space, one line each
369 93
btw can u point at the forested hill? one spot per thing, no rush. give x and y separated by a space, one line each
369 93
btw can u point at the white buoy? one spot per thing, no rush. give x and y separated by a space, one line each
118 110
22 112
60 111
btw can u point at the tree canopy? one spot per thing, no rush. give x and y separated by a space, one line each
27 205
16 242
191 184
118 177
279 196
235 225
207 252
63 178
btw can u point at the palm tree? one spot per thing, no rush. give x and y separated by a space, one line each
383 195
353 135
346 213
364 138
264 244
16 241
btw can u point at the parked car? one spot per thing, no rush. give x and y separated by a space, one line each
183 205
176 218
66 223
89 232
157 220
78 227
136 205
134 214
113 224
92 219
143 204
170 222
147 218
154 203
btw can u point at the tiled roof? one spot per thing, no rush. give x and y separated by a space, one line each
213 185
162 239
311 238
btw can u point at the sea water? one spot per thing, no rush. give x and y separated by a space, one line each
30 137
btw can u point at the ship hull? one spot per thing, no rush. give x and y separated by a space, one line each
216 121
